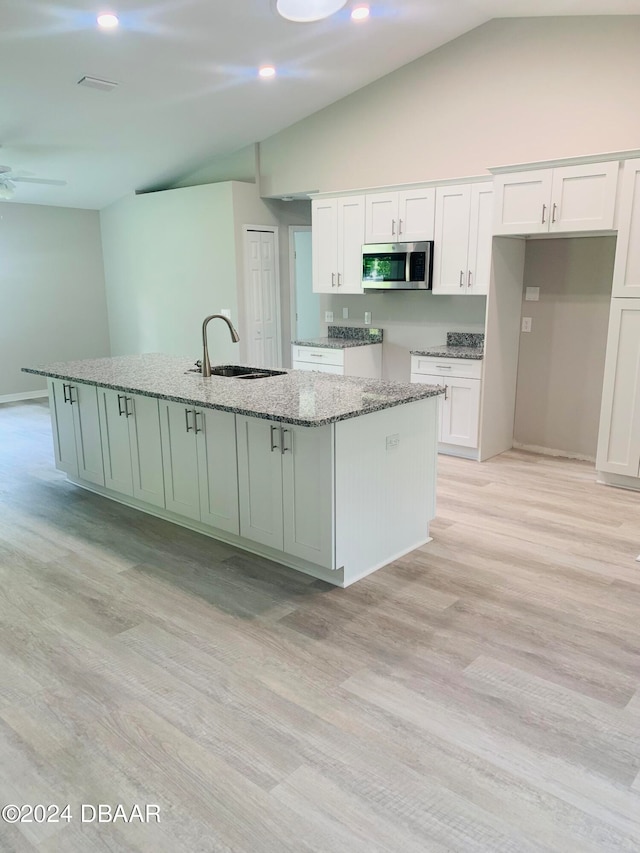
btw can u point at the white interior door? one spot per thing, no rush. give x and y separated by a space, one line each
262 298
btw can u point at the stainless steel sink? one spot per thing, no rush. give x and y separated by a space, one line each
238 371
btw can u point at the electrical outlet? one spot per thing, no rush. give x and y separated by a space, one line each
393 441
345 313
367 317
226 312
532 294
526 324
328 316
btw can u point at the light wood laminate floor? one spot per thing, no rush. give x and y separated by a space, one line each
481 694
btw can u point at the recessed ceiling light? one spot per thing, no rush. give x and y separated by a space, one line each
360 13
305 11
267 71
107 21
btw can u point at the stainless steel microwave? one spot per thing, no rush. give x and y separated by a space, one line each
397 266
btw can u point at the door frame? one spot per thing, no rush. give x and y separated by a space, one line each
293 323
246 293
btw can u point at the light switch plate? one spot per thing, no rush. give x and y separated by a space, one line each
345 313
328 316
367 317
532 294
526 324
393 441
226 312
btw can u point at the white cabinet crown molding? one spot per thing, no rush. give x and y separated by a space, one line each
439 182
565 161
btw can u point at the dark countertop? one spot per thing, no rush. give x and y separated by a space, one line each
298 397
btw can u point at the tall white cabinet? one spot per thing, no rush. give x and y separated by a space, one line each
626 270
336 244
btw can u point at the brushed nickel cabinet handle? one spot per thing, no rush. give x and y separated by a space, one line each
339 282
544 211
128 400
186 419
461 278
393 227
446 388
553 212
469 279
283 449
71 389
274 446
121 412
399 227
64 391
333 279
195 421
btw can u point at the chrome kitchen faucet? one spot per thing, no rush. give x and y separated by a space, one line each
206 364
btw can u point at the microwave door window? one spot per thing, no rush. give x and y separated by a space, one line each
385 267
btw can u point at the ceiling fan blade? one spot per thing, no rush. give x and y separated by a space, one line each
52 183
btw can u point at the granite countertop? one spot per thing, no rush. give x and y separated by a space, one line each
341 337
458 345
451 352
298 397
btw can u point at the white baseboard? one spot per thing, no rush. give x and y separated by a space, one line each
23 395
549 451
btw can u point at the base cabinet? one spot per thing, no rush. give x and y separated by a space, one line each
131 445
286 488
76 430
199 462
619 434
459 419
364 361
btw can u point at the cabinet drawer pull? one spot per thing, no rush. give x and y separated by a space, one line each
283 449
333 279
128 412
71 390
553 212
196 413
446 389
444 366
274 446
186 419
393 227
399 227
461 278
339 282
544 211
469 278
121 411
64 391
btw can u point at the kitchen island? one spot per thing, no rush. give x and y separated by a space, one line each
333 476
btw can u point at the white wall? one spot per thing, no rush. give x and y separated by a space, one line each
52 293
561 362
172 257
511 91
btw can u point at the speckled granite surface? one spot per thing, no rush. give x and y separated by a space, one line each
341 337
459 345
299 397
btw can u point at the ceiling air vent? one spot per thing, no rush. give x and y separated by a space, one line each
97 83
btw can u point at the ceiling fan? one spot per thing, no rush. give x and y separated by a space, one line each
9 178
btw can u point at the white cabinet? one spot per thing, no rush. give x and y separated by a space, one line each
565 199
199 460
337 237
619 433
460 406
131 445
626 270
400 217
364 361
76 430
285 477
463 236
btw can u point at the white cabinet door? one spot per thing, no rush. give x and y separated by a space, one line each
416 209
626 270
350 237
619 434
480 239
307 489
84 402
522 202
461 412
451 246
62 422
116 449
218 472
381 219
260 481
146 449
583 197
324 244
180 459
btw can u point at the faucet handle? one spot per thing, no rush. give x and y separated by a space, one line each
198 364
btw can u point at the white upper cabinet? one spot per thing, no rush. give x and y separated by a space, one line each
565 199
406 216
626 270
337 238
463 235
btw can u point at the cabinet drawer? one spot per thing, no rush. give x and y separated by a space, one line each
465 368
318 355
319 368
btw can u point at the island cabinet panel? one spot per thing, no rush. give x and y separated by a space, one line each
76 426
131 445
385 485
199 462
286 488
260 481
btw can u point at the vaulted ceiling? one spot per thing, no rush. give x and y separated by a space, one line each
188 89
